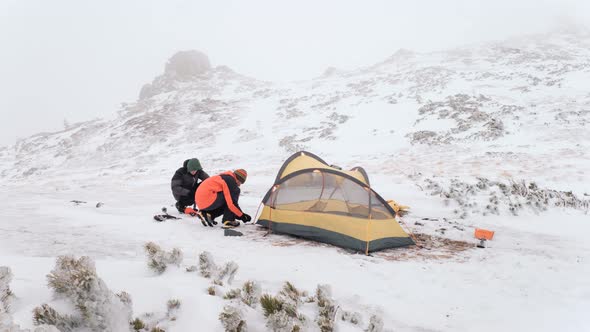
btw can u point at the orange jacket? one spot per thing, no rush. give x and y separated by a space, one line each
207 192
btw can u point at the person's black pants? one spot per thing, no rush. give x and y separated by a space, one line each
219 207
186 200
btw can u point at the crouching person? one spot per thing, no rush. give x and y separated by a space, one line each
219 194
185 182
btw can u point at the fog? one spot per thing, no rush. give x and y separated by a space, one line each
78 60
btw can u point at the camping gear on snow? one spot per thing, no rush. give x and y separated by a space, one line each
231 232
162 217
189 211
483 235
400 210
192 212
313 200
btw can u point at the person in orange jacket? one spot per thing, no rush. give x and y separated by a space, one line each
219 194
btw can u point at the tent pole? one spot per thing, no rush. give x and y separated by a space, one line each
323 184
370 220
272 206
321 192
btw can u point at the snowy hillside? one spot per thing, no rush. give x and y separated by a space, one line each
493 136
527 99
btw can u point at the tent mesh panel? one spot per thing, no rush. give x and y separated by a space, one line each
328 193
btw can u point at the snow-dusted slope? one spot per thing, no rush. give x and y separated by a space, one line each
526 98
492 135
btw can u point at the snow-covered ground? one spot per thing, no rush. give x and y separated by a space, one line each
410 121
532 275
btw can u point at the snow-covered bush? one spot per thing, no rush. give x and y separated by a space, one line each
271 304
472 120
159 259
99 309
40 328
251 293
49 316
497 197
292 294
232 319
228 272
291 144
207 266
282 321
233 294
149 322
209 269
352 317
326 308
6 297
281 316
125 298
213 290
137 324
5 292
173 306
375 324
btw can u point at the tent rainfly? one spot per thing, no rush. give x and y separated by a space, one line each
313 200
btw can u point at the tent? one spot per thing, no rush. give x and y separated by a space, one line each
314 200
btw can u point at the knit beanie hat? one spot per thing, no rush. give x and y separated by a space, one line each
241 175
193 165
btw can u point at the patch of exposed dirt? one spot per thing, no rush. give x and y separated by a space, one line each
427 246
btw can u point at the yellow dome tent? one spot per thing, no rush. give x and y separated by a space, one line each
313 200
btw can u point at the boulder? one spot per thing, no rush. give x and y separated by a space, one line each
185 64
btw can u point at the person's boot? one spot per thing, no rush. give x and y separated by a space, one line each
230 224
209 218
206 219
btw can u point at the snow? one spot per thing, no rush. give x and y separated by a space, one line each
530 277
534 265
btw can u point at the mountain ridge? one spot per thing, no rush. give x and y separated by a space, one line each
414 109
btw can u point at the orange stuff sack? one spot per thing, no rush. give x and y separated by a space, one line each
191 211
483 234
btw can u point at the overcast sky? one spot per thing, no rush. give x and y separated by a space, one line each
77 60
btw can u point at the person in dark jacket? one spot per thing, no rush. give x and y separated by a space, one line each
219 194
185 182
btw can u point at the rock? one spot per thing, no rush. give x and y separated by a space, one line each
146 91
185 64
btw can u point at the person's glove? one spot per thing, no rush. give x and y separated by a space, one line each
190 211
245 217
